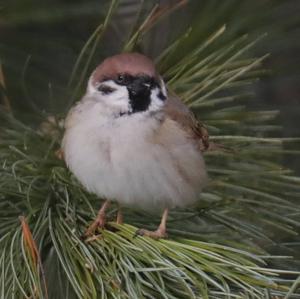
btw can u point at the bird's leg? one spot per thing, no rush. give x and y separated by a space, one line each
99 221
161 231
119 216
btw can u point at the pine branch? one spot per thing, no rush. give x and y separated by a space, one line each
218 249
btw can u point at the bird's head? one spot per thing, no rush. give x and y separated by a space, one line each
127 83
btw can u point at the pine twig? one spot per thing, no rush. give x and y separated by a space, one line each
6 100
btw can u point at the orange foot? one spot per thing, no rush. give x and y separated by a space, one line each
157 234
160 233
98 223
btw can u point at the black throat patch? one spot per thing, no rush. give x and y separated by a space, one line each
139 101
139 89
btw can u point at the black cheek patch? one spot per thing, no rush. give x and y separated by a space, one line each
162 96
105 89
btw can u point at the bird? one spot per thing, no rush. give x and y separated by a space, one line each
131 140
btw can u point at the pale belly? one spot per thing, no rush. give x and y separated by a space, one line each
125 166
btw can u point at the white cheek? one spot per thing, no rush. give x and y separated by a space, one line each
163 87
156 102
118 100
90 87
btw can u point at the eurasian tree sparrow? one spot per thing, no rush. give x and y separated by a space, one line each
130 141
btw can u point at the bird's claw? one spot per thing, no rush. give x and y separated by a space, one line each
98 223
138 233
157 234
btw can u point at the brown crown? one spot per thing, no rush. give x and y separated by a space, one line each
130 63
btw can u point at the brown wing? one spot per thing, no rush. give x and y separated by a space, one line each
176 110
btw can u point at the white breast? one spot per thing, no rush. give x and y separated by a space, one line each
121 159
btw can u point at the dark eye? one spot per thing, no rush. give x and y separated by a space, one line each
105 89
123 79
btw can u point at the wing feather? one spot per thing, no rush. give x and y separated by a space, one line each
176 110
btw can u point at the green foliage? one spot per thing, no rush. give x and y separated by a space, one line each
222 248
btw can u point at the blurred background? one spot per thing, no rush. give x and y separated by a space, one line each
40 42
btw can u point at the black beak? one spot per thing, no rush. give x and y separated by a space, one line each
140 86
